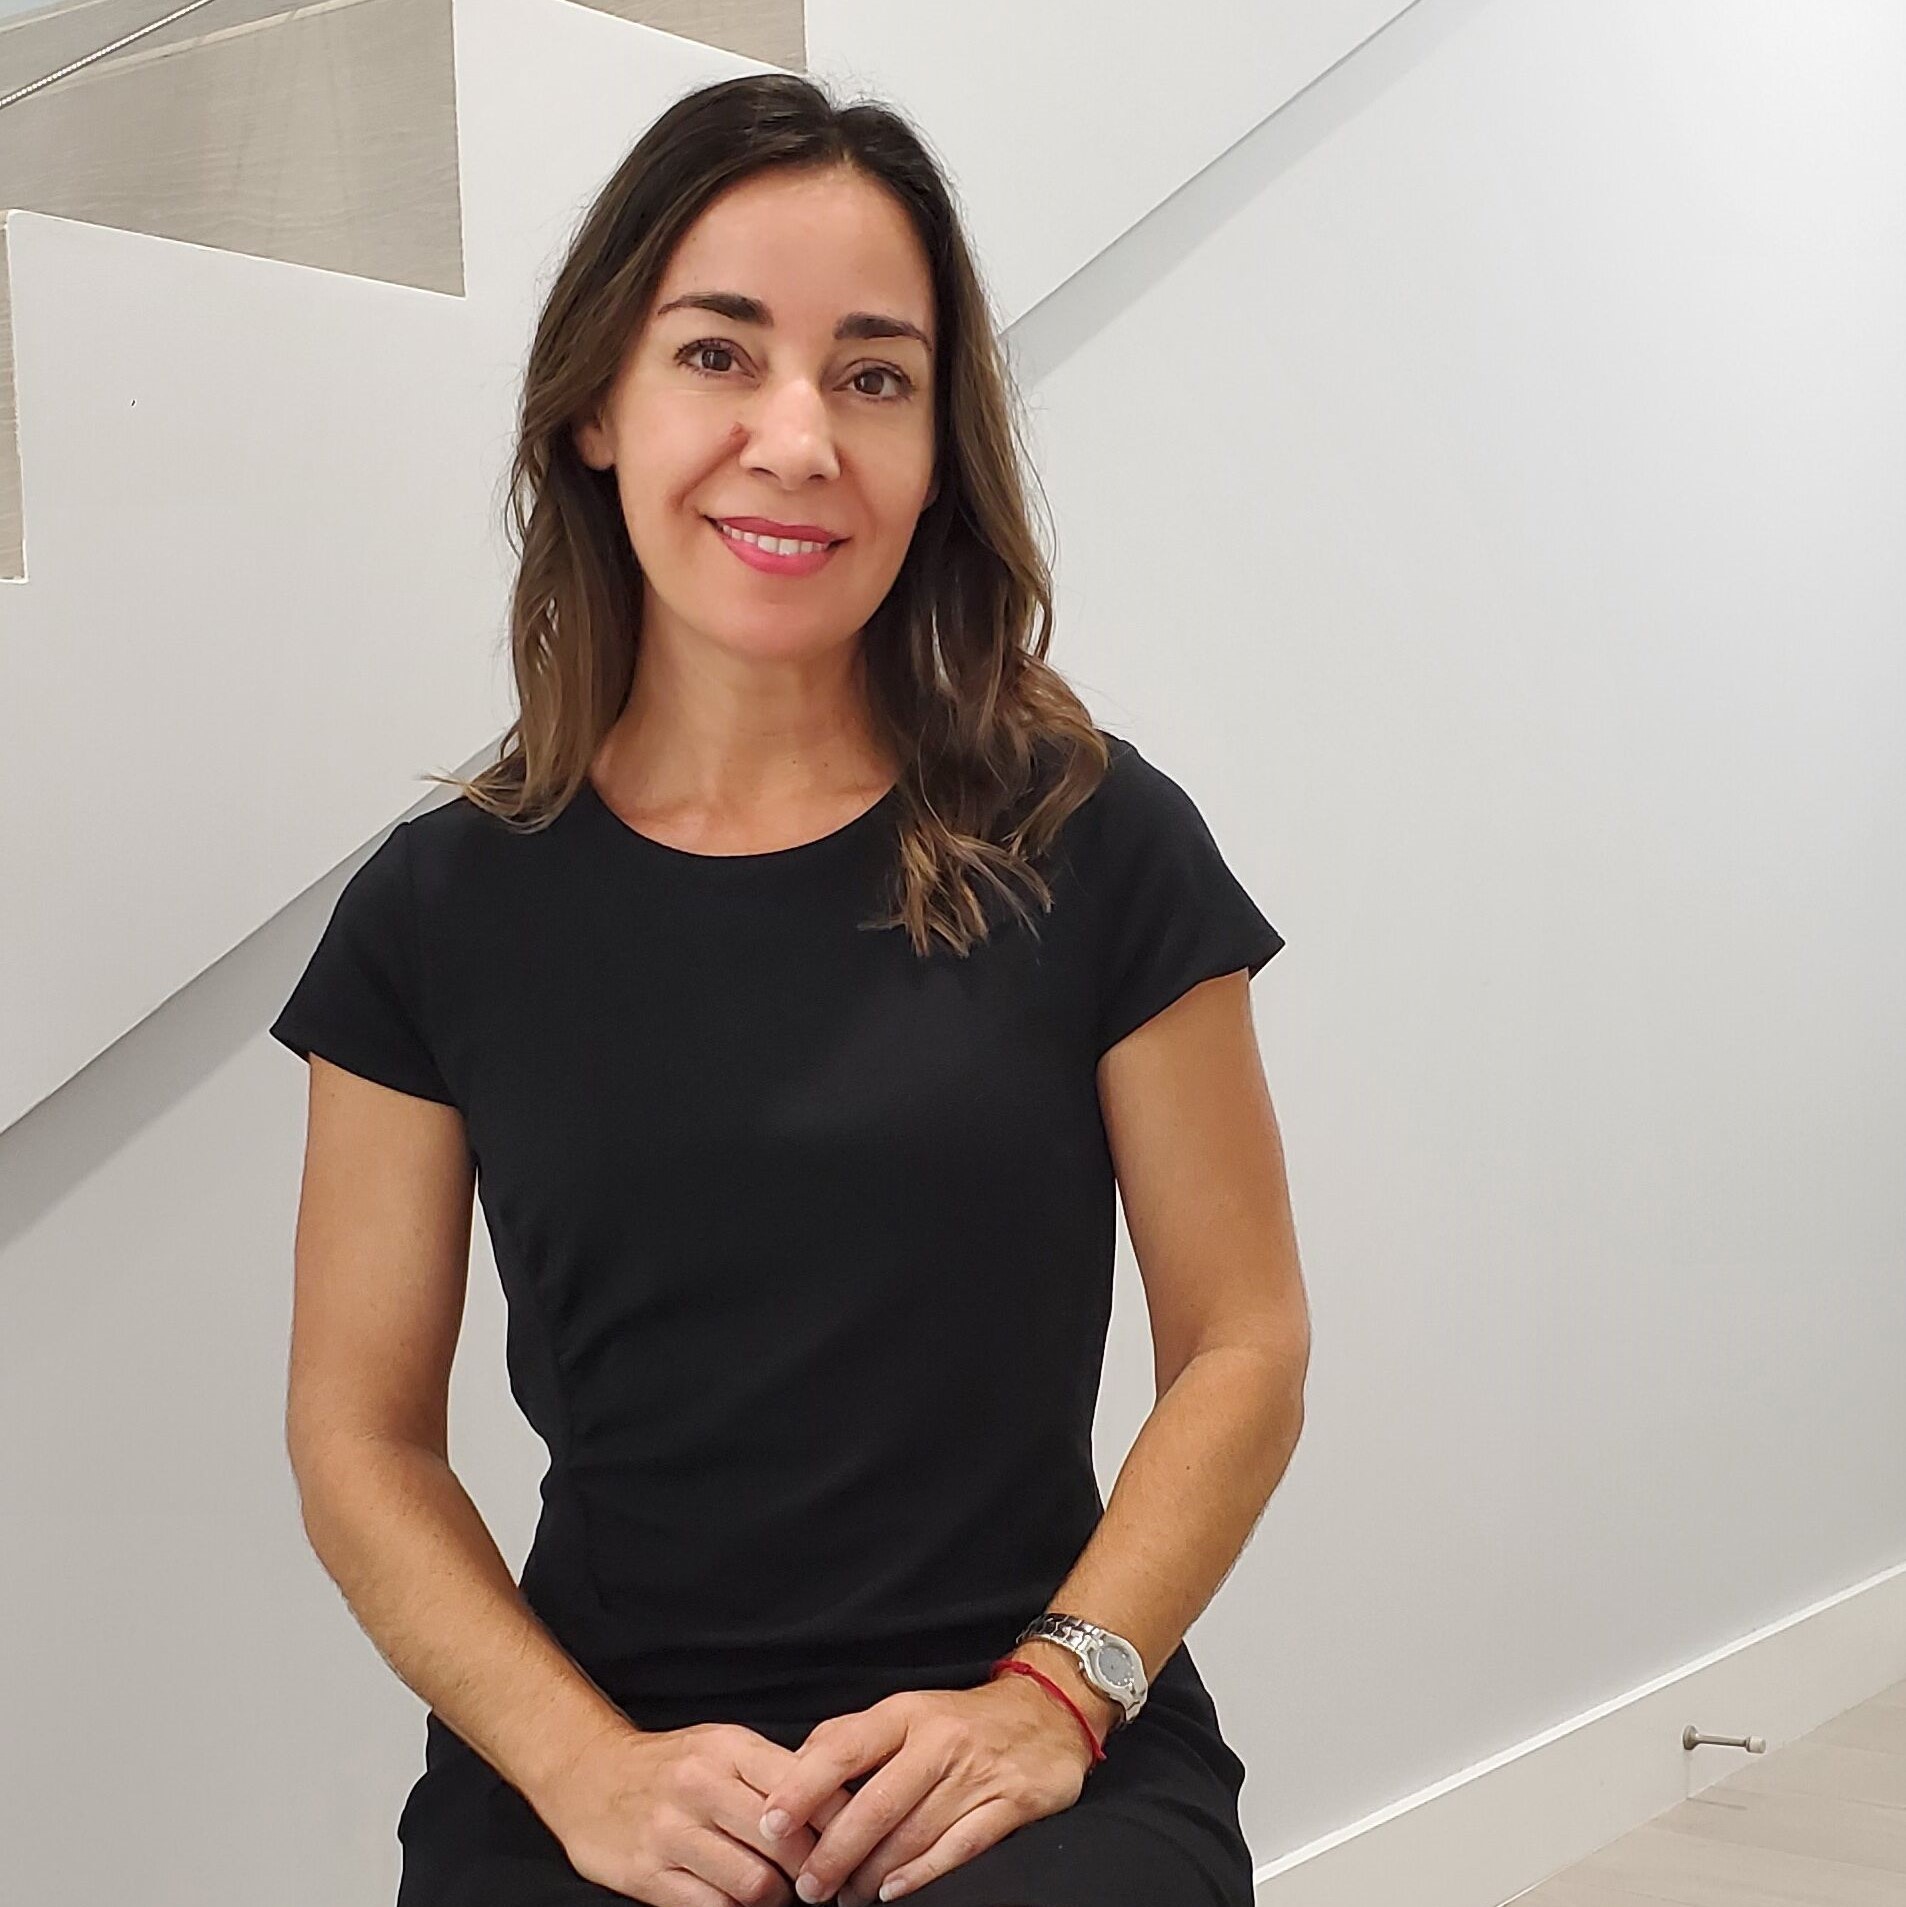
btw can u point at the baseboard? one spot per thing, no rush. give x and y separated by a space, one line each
1481 1836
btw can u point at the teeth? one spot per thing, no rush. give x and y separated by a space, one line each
779 545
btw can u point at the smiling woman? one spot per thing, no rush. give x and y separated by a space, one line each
768 981
705 429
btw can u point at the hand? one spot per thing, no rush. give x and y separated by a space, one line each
672 1817
958 1769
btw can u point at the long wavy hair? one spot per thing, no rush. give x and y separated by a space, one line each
996 748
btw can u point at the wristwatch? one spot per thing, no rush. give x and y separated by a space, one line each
1109 1662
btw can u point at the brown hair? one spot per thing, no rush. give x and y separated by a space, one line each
993 740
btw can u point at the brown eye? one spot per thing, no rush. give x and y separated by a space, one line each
691 352
701 345
887 370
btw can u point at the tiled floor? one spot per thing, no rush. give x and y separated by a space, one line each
1820 1822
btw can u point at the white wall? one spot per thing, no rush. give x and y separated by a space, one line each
1487 482
1481 484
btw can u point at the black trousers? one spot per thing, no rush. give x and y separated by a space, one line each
1156 1825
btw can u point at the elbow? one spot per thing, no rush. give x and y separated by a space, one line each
1288 1360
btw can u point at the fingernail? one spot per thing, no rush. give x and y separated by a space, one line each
808 1887
774 1822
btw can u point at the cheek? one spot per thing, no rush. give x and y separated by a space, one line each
913 474
894 469
673 440
660 487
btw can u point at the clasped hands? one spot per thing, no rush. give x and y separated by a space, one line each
948 1773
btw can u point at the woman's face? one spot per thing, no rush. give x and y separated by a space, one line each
801 399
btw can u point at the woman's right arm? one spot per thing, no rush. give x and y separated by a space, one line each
382 1262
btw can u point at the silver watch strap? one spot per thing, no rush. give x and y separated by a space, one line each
1082 1637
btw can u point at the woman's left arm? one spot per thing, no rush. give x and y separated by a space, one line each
1200 1165
1201 1172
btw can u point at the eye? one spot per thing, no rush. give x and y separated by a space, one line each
695 350
887 370
720 347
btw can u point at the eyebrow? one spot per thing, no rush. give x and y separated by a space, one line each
741 309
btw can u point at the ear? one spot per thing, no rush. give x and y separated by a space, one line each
586 434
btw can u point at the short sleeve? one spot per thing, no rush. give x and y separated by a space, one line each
357 1003
1170 913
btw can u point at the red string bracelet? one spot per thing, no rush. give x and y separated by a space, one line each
1011 1665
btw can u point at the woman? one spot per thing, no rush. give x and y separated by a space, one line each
796 1127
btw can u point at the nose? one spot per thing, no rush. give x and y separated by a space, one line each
789 435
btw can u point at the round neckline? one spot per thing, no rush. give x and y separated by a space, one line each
665 853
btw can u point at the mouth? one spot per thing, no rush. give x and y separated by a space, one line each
810 556
737 532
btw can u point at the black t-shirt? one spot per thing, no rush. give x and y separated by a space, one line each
807 1240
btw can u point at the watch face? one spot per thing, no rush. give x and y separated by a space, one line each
1115 1663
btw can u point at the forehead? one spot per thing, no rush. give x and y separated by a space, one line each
807 248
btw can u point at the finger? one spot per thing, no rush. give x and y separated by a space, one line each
906 1841
882 1804
971 1834
683 1889
759 1764
833 1753
792 1850
736 1871
829 1808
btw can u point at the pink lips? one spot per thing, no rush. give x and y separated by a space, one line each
770 562
766 526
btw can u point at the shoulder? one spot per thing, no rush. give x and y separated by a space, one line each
1166 909
1136 782
459 850
452 827
1136 808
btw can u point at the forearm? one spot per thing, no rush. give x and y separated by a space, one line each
1190 1492
400 1537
